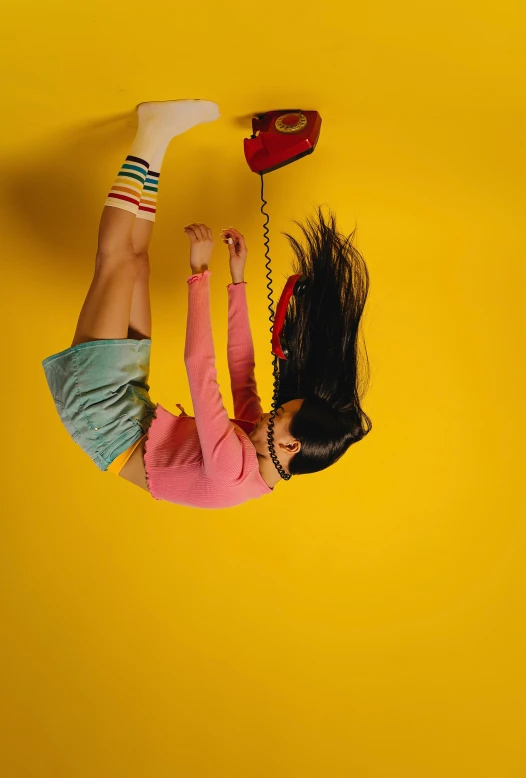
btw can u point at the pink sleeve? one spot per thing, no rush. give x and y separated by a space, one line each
240 350
223 452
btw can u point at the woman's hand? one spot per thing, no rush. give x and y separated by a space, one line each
201 246
238 253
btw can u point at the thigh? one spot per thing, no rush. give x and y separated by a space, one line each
105 313
134 469
140 324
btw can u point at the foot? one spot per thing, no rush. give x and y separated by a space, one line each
173 117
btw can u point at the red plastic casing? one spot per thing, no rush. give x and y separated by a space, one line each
281 310
272 148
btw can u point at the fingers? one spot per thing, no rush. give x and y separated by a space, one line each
233 232
198 232
237 237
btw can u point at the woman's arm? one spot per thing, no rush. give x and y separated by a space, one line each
221 448
240 353
222 451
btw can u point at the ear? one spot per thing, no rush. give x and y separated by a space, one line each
293 448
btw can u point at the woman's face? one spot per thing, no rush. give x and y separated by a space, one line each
281 432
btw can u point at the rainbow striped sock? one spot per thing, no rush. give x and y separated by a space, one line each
148 204
126 192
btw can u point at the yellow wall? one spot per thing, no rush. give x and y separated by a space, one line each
366 621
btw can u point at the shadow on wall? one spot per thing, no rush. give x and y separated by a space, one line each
55 195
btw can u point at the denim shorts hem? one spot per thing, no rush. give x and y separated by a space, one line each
101 393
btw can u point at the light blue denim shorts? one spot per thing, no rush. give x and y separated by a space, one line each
101 393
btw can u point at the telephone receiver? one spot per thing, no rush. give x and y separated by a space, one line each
296 285
279 138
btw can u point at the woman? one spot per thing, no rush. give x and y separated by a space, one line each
100 387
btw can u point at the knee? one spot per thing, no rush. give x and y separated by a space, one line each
125 260
143 262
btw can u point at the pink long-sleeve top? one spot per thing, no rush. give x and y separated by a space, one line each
208 461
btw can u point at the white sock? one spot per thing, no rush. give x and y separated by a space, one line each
148 204
159 122
173 117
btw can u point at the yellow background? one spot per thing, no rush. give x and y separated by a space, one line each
365 621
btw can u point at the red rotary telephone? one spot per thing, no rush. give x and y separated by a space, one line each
284 137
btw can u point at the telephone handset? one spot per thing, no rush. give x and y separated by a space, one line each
295 285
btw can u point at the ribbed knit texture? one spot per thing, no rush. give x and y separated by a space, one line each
208 461
148 204
127 190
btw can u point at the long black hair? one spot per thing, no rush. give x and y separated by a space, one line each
321 330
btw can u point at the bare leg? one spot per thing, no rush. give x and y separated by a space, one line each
140 325
106 310
123 289
140 322
126 298
121 260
